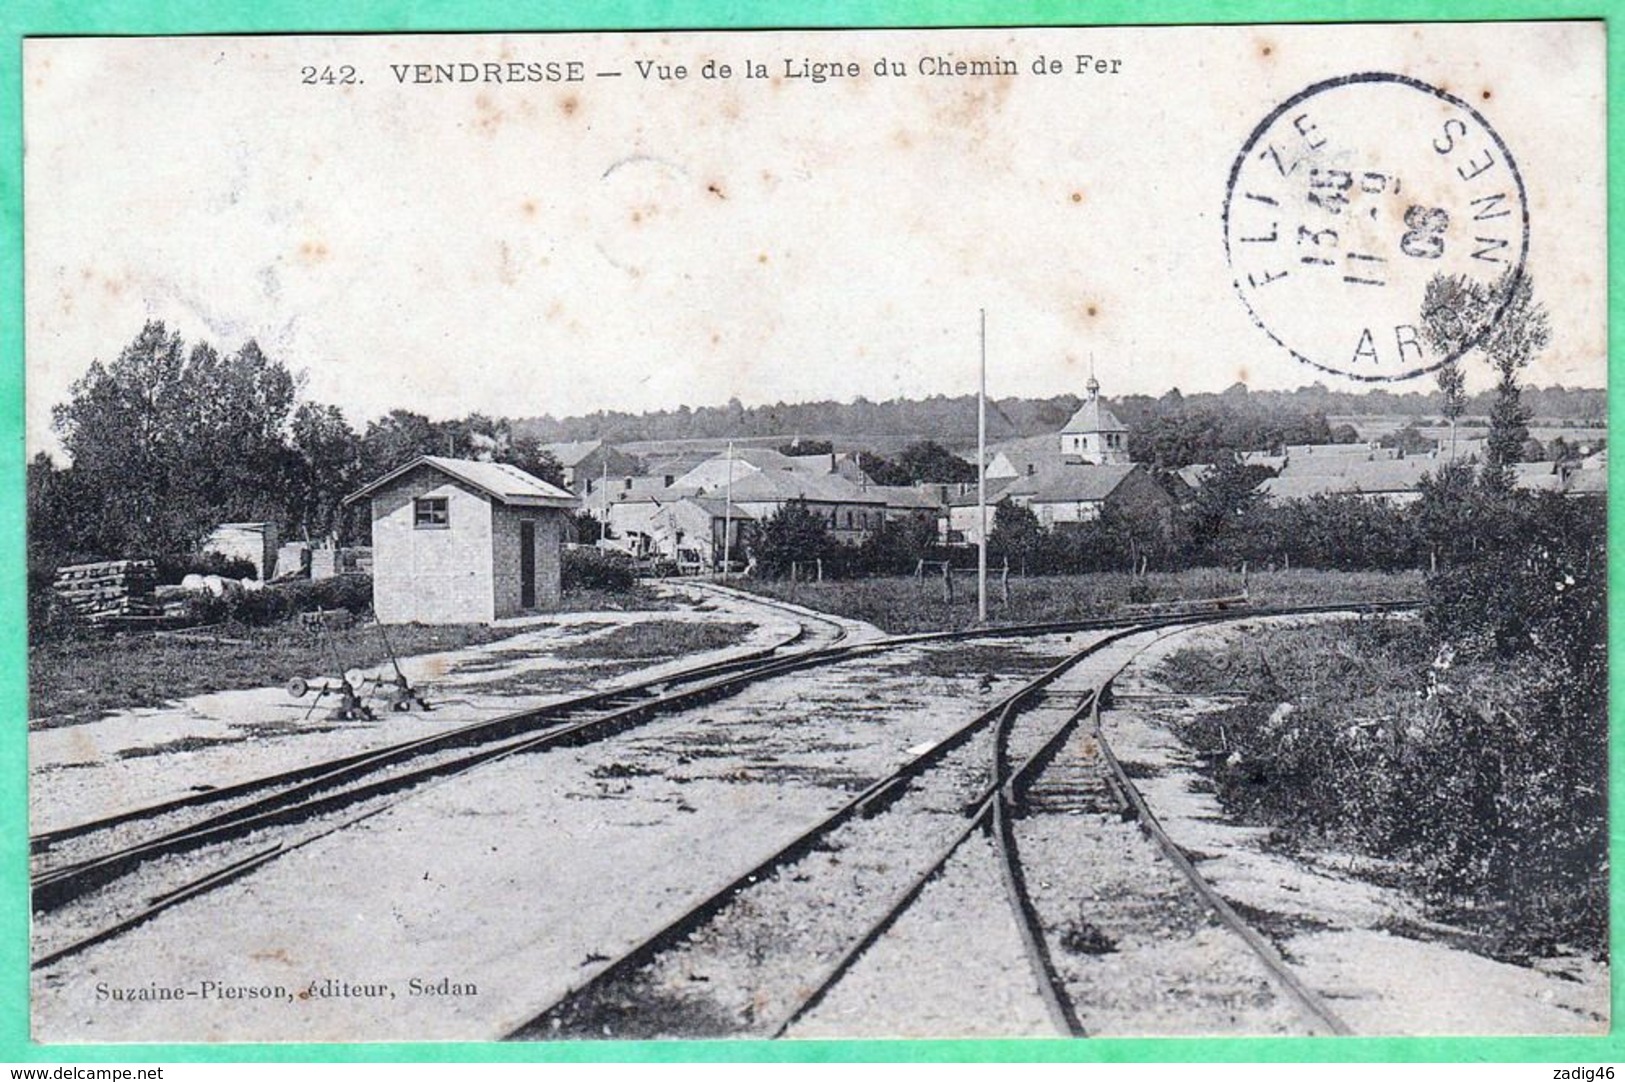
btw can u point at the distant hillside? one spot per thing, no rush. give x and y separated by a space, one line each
883 426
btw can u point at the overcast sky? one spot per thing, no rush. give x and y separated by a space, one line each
623 243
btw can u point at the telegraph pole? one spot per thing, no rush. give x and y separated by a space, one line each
728 514
981 483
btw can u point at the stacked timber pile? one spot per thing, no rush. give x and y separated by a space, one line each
114 589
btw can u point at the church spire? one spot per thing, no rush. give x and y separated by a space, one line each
1093 434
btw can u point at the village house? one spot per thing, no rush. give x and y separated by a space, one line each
457 541
1061 493
684 527
1381 475
1392 481
1019 457
923 501
1071 476
850 512
587 462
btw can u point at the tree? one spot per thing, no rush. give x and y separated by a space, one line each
1409 440
1016 533
398 438
1510 327
165 444
1227 492
924 461
801 448
527 453
792 534
1452 386
587 528
326 467
897 545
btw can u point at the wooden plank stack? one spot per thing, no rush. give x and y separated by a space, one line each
113 589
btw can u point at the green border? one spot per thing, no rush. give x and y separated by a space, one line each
22 18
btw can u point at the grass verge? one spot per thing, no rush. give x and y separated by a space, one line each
84 677
902 605
1365 736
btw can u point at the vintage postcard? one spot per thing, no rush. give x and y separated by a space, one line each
1039 532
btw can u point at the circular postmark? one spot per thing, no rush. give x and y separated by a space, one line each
1348 199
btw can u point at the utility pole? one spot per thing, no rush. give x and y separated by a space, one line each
981 483
728 514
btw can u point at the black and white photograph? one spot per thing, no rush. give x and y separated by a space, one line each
1040 532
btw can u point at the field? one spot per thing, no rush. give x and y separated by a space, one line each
903 605
83 677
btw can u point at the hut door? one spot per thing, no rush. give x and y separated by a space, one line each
527 565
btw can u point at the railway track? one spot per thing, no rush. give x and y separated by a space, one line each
761 956
129 868
309 802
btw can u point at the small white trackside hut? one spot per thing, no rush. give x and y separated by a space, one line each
458 542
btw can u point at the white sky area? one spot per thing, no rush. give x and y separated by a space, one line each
622 243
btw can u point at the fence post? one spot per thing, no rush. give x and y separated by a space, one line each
1004 582
947 583
818 562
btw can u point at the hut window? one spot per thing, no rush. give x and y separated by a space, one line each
430 513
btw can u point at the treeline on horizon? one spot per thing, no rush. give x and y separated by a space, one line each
169 439
951 420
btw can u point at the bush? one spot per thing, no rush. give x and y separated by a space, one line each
259 608
1471 745
596 569
796 535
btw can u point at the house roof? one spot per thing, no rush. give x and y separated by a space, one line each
719 508
1020 453
774 486
1093 416
506 484
644 490
908 496
1331 458
1058 482
1194 476
572 454
1386 476
1537 477
1071 482
1356 475
675 465
996 490
766 458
